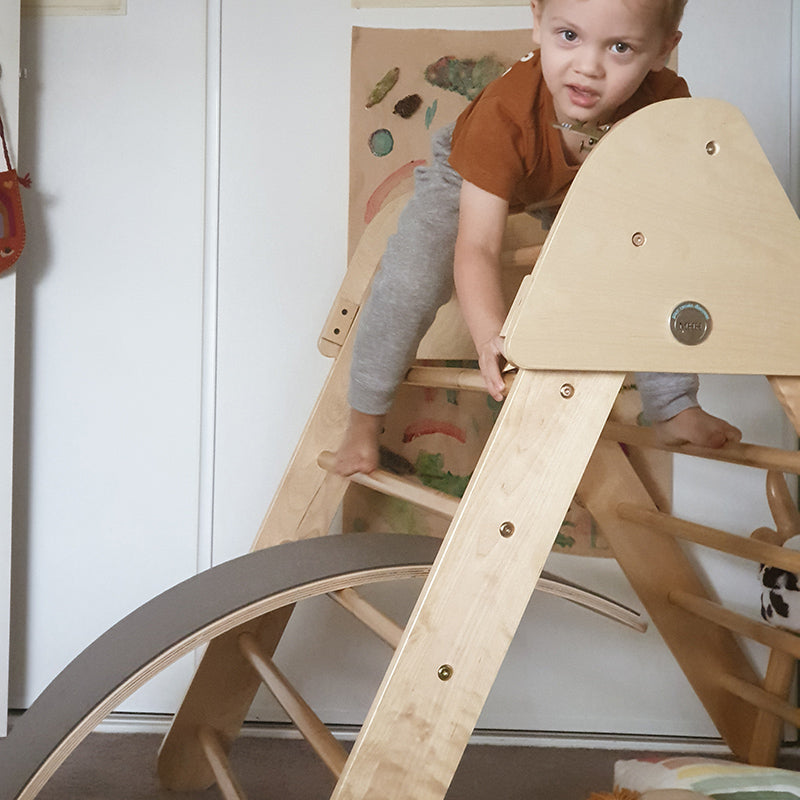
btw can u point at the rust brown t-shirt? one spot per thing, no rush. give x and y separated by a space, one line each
504 142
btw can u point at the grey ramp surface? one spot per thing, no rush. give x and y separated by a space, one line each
181 613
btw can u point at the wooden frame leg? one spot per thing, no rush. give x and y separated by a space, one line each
656 565
480 584
224 685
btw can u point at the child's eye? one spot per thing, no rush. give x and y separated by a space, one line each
568 35
621 48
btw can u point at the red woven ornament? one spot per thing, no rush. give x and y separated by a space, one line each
12 223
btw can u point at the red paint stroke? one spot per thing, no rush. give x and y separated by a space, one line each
377 198
424 427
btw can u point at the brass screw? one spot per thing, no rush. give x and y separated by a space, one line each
638 239
507 530
567 391
445 672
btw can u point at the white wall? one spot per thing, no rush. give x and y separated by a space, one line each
109 309
282 241
9 104
110 425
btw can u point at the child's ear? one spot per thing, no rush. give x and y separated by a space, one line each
670 43
536 10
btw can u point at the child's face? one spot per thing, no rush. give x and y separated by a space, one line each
596 53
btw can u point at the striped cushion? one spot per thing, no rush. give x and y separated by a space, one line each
721 780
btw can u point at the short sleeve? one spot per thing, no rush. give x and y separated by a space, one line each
488 148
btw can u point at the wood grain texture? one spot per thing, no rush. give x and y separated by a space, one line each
469 608
684 174
656 565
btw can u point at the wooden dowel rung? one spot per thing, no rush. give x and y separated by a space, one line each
741 546
381 625
748 455
308 723
757 697
394 486
753 629
218 761
452 378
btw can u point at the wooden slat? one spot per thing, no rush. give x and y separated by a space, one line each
394 486
452 378
760 699
768 730
571 315
657 565
458 634
381 625
222 689
741 546
753 629
218 761
748 455
308 723
787 390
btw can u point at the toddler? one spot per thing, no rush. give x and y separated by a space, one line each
512 150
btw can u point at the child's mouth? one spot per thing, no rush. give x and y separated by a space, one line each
581 96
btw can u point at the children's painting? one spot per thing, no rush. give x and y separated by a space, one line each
405 84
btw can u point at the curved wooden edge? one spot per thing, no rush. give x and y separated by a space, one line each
181 619
358 277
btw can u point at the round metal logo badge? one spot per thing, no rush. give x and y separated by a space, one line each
690 323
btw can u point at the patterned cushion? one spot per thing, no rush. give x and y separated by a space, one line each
721 780
780 593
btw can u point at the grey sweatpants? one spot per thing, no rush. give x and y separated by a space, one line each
415 278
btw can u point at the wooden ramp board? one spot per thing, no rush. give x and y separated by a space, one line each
677 208
180 619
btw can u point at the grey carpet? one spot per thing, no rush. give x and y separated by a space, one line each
122 767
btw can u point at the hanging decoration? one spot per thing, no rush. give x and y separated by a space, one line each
12 223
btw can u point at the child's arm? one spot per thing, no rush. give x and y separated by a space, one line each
481 226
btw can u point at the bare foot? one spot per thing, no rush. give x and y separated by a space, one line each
695 426
359 449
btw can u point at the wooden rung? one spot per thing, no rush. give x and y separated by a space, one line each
308 723
381 625
768 729
394 486
218 761
753 629
741 546
452 378
748 455
757 697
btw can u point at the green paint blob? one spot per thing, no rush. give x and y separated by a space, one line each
430 113
381 142
466 76
430 470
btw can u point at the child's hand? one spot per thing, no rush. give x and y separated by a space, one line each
491 361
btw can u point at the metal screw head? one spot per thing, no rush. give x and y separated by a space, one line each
507 530
567 391
445 672
638 239
690 323
712 148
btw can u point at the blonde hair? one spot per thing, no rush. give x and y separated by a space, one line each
670 12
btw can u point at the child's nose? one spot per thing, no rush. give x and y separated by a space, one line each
589 62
